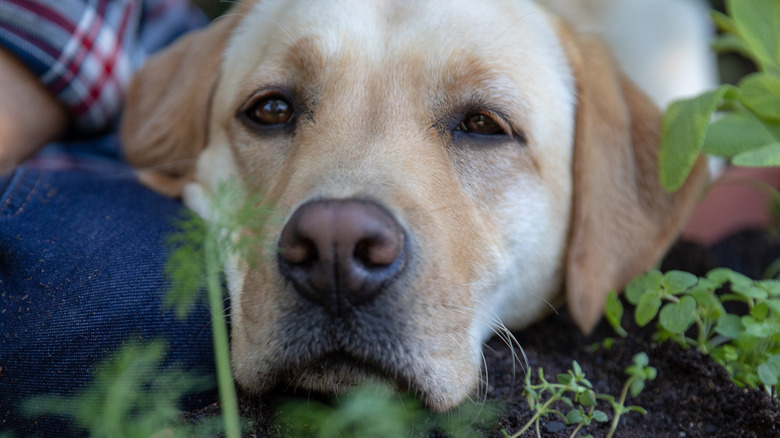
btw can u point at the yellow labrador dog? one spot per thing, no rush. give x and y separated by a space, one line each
437 169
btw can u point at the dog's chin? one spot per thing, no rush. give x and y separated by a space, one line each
338 372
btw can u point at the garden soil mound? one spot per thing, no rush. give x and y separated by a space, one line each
692 396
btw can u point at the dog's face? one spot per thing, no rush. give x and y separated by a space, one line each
436 170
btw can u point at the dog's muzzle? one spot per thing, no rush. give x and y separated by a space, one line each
341 253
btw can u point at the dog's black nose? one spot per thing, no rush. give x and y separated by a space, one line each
337 252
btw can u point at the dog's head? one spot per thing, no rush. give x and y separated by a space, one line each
437 169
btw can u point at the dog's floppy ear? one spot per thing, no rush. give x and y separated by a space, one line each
622 219
165 122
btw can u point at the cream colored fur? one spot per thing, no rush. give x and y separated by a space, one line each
503 229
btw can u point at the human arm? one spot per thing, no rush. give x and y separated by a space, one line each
30 116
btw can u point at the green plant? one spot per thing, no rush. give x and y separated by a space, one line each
543 396
639 373
748 133
575 391
131 395
745 130
691 313
376 410
232 235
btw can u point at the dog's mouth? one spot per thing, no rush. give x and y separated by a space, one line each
339 371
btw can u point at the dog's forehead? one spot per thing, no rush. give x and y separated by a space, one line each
381 31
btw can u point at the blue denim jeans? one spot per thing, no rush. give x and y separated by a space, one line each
82 252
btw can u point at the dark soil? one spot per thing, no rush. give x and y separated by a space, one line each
692 396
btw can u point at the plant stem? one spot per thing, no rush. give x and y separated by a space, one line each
536 417
620 406
227 390
582 423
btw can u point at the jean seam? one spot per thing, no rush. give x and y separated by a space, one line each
16 185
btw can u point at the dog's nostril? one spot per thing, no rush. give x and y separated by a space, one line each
378 251
299 251
337 250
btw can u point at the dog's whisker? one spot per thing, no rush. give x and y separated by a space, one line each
508 338
497 326
548 303
512 339
484 380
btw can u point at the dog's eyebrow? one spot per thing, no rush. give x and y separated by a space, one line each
476 80
304 56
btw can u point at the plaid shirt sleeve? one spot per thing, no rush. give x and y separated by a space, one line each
84 51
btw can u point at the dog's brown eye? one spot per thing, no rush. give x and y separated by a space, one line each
481 124
272 110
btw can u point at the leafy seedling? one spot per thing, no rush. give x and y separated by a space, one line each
131 395
376 410
233 235
639 373
572 389
575 391
689 311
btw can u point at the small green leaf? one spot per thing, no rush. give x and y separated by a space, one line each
723 22
756 328
641 360
574 417
614 313
636 387
186 265
577 369
750 290
735 133
708 302
761 93
638 409
677 317
600 416
768 374
647 308
564 379
725 353
730 325
760 311
677 282
764 156
588 398
756 23
726 43
651 373
724 275
650 281
774 305
684 130
585 382
772 287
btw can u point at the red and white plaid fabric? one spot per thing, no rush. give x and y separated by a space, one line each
85 51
